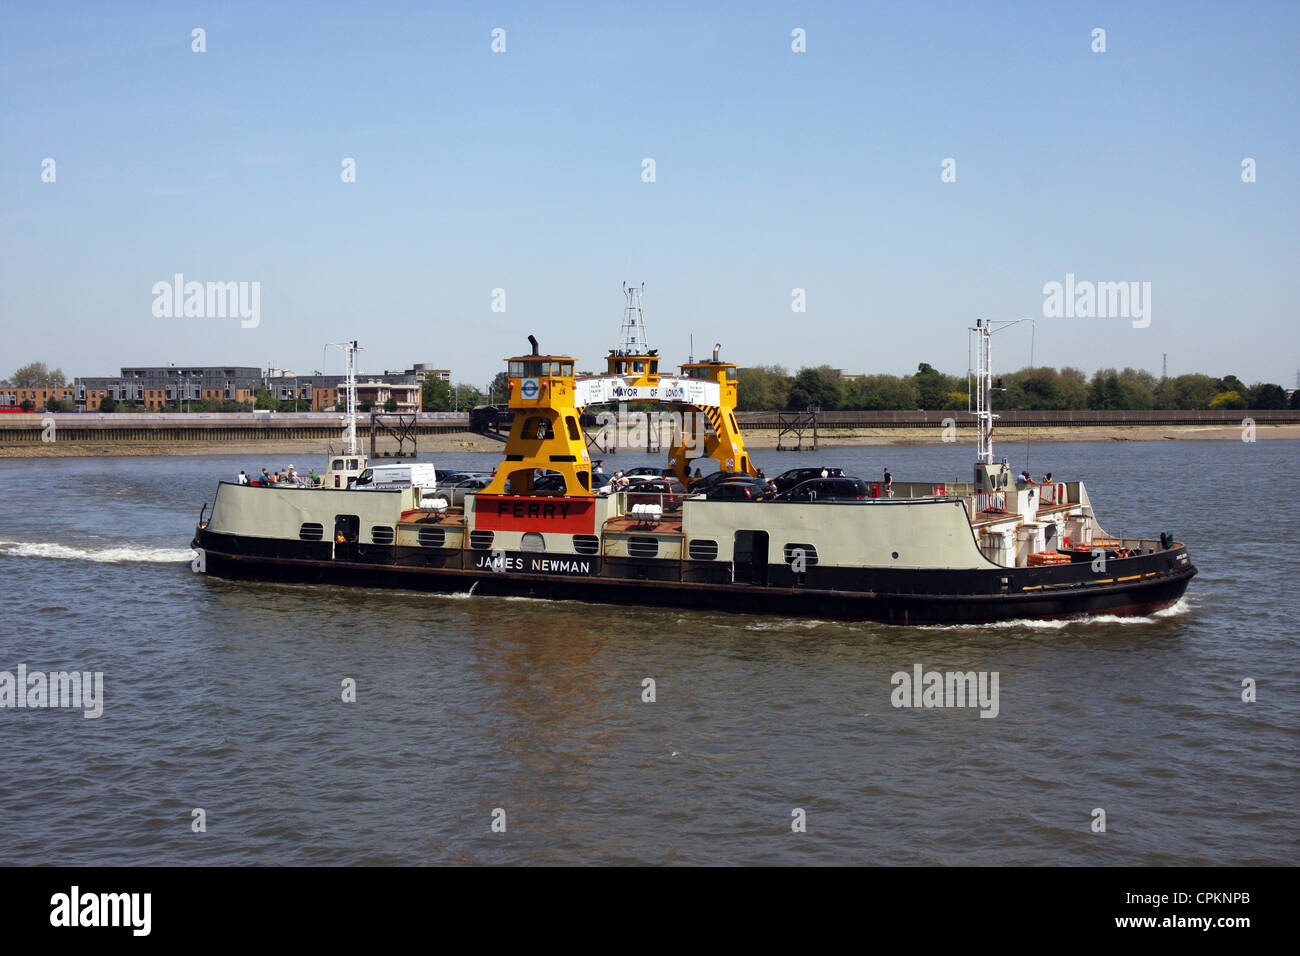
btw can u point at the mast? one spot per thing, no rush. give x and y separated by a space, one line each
633 331
984 390
352 398
350 349
983 382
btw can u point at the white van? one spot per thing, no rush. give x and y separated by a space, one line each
388 477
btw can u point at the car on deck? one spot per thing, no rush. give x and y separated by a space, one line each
740 489
667 492
455 492
702 485
795 476
827 489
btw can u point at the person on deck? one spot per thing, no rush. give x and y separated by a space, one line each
889 484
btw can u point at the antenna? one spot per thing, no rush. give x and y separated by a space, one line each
1164 365
351 349
633 340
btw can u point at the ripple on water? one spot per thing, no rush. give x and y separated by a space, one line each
227 696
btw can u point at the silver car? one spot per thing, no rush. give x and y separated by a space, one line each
456 491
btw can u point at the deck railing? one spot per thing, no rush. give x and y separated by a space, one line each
1054 494
990 501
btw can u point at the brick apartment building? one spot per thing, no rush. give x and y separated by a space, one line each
12 395
158 387
155 387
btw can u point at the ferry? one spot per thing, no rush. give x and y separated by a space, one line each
994 548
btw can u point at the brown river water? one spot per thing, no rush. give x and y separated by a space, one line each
227 697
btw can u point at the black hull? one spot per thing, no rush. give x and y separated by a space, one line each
915 597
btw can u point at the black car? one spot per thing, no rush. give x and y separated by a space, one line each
795 476
551 482
699 485
827 489
739 489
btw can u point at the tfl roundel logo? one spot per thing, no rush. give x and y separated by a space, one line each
528 388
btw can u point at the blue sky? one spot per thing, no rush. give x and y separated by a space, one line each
774 170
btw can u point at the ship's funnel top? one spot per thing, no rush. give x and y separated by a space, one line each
716 349
532 340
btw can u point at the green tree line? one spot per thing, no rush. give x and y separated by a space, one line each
771 387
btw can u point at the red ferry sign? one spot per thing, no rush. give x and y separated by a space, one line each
514 513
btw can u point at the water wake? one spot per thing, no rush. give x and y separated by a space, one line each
120 554
449 595
1178 609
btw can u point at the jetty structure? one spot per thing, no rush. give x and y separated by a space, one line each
995 548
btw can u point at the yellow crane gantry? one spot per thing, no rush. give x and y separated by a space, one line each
547 400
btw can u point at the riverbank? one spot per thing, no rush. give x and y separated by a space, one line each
451 443
864 437
757 439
